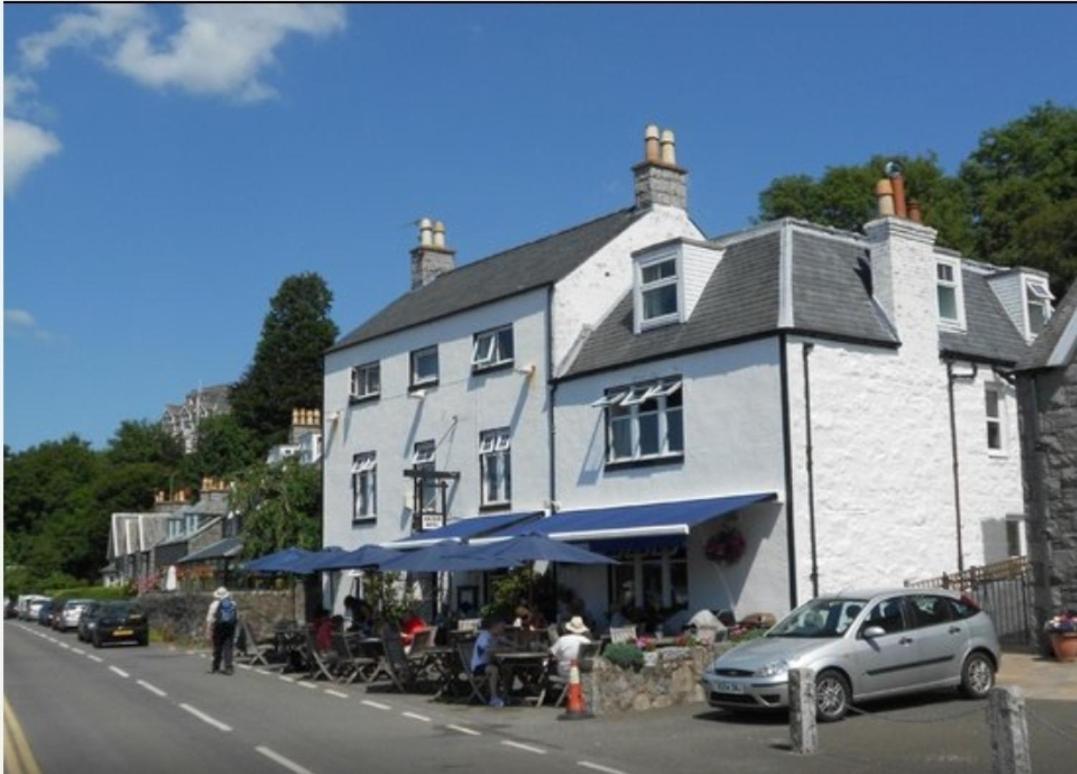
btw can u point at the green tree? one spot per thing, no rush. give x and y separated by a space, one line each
287 368
224 449
1022 183
844 197
144 441
39 481
280 506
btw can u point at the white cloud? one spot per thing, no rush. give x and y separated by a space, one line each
25 147
20 322
218 50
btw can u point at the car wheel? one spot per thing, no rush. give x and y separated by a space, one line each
144 640
832 696
977 676
97 640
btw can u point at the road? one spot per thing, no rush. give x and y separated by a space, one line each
157 710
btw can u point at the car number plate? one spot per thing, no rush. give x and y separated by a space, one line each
123 632
724 687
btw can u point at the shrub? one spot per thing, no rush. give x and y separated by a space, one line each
90 592
746 634
624 655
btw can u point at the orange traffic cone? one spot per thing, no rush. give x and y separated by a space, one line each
575 707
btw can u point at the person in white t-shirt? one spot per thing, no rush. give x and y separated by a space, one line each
567 648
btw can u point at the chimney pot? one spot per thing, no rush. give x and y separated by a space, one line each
669 148
897 180
439 234
884 193
651 152
426 232
915 215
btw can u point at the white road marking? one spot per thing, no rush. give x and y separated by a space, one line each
244 666
278 758
464 730
205 718
64 645
264 672
375 705
308 685
522 746
415 716
78 651
118 671
331 692
286 679
151 688
92 657
202 655
597 767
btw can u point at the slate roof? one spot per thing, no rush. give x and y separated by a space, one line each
1057 342
222 549
504 274
989 334
831 296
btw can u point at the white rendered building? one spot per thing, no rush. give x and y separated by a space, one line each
630 362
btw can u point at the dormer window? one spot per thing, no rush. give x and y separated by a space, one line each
658 292
1038 303
948 290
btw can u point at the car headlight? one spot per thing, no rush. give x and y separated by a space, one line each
773 668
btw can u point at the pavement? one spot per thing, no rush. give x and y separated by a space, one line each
156 709
1039 677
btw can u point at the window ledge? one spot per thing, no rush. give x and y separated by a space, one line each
998 454
477 370
363 521
953 326
415 386
659 322
495 507
356 399
645 462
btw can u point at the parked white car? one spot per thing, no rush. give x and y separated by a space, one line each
862 646
71 613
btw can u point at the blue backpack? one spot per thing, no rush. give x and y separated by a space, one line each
226 611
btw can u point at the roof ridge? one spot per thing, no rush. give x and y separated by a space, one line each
521 245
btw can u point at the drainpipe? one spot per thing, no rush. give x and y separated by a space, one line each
951 377
807 350
787 444
552 399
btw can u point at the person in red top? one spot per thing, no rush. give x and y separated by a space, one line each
410 626
322 627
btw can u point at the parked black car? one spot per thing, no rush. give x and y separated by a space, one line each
120 622
44 613
10 610
88 622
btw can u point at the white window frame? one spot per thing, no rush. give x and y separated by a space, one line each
1000 420
492 343
361 387
641 288
632 398
423 452
413 358
424 455
1043 297
496 445
365 486
958 285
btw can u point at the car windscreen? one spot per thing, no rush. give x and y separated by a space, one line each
819 618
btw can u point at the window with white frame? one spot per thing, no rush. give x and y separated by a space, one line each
422 459
993 401
495 466
1038 302
492 348
366 380
1013 537
424 366
658 292
948 291
365 485
644 421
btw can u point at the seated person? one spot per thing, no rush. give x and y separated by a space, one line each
487 643
523 618
412 624
567 648
322 628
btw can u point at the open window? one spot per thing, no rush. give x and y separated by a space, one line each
492 348
644 421
366 381
1038 304
364 486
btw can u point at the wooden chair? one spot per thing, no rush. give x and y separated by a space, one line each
395 664
318 663
255 650
585 661
478 685
351 666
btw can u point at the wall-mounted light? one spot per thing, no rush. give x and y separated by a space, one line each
527 370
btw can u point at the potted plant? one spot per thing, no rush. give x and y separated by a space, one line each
1062 631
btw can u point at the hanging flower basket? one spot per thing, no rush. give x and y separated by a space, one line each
726 546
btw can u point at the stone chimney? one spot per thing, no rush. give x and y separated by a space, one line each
304 421
431 258
659 181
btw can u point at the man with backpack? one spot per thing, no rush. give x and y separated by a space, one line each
221 628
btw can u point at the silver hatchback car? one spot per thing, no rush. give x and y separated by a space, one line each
862 646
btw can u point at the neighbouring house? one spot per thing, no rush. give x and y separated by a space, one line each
1047 391
192 529
743 421
181 420
304 439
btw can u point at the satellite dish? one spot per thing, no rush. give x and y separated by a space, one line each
893 168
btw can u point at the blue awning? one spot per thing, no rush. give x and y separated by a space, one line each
627 521
465 529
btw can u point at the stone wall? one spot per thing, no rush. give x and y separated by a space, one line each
181 616
669 678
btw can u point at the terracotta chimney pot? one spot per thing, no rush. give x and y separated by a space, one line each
669 148
915 214
884 193
651 152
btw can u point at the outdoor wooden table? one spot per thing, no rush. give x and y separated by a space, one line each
528 666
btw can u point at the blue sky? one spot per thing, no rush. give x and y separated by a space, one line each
166 167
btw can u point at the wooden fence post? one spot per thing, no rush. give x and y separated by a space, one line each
1009 732
802 730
